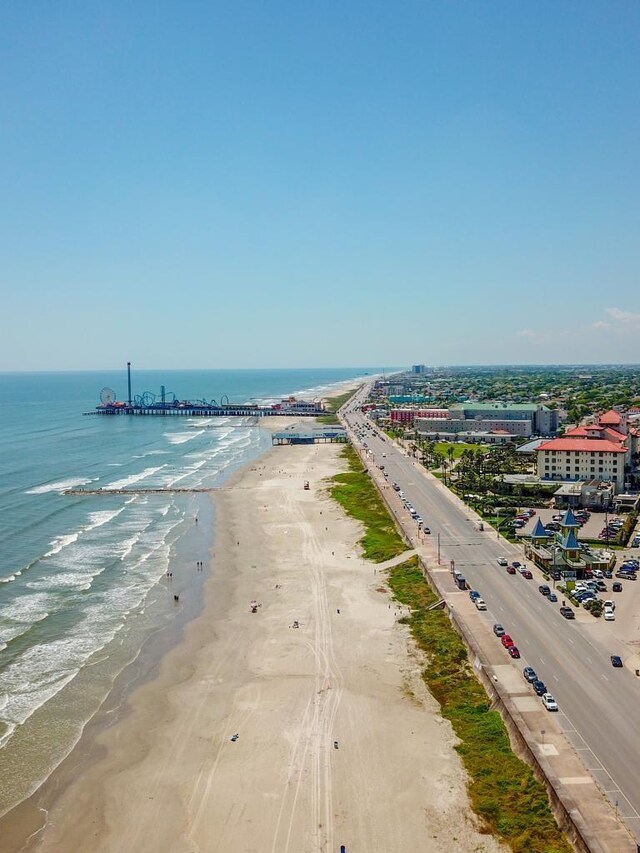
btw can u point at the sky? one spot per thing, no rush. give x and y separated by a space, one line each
293 184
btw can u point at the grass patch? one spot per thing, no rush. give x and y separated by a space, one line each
503 789
358 496
442 447
332 404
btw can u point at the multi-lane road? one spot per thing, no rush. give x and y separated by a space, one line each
599 705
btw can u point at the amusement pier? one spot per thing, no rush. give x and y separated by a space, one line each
166 404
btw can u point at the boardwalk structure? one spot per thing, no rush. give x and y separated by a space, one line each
316 436
194 410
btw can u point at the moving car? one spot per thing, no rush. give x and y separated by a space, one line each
549 702
609 616
514 651
616 661
609 604
529 674
511 570
498 630
502 562
617 587
539 687
543 589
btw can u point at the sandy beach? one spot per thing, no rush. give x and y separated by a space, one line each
168 777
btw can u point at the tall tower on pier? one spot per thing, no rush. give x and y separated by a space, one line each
129 382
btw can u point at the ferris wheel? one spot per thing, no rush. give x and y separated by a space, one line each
107 396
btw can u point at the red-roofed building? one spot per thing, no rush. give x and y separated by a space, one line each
580 457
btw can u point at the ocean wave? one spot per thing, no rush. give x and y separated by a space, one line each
97 519
182 437
61 542
60 485
133 478
8 579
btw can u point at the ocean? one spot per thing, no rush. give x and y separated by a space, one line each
83 580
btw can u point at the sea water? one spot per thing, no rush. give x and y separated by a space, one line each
84 580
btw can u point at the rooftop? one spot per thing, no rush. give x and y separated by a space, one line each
582 445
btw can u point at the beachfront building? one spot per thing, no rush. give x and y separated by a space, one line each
599 451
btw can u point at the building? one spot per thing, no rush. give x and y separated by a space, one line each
563 552
419 368
576 458
542 419
600 451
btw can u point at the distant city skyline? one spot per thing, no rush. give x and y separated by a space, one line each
233 185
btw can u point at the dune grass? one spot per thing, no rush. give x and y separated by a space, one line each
358 496
503 789
332 404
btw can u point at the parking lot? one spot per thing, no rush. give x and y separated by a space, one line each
590 530
626 627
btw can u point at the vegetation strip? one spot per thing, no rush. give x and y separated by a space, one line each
358 496
332 405
503 789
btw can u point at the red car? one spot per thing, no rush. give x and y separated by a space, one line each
513 651
511 570
507 641
527 574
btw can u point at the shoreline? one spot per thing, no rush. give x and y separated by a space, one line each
166 776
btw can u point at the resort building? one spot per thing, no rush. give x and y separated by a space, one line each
596 451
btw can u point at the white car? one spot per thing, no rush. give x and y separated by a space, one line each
609 616
549 702
480 605
502 562
609 604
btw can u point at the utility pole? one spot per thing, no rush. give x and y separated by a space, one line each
438 548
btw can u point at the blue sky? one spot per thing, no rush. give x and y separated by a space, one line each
243 184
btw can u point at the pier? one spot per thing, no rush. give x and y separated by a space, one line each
200 410
166 404
157 491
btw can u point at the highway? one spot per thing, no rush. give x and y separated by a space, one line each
598 704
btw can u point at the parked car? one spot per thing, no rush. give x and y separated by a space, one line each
567 612
506 641
529 674
474 594
616 587
552 597
543 589
609 604
609 616
539 687
514 652
527 574
480 605
549 702
556 575
426 530
498 630
616 661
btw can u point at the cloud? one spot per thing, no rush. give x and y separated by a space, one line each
527 333
601 324
626 317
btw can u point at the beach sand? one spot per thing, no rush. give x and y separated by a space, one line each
168 777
